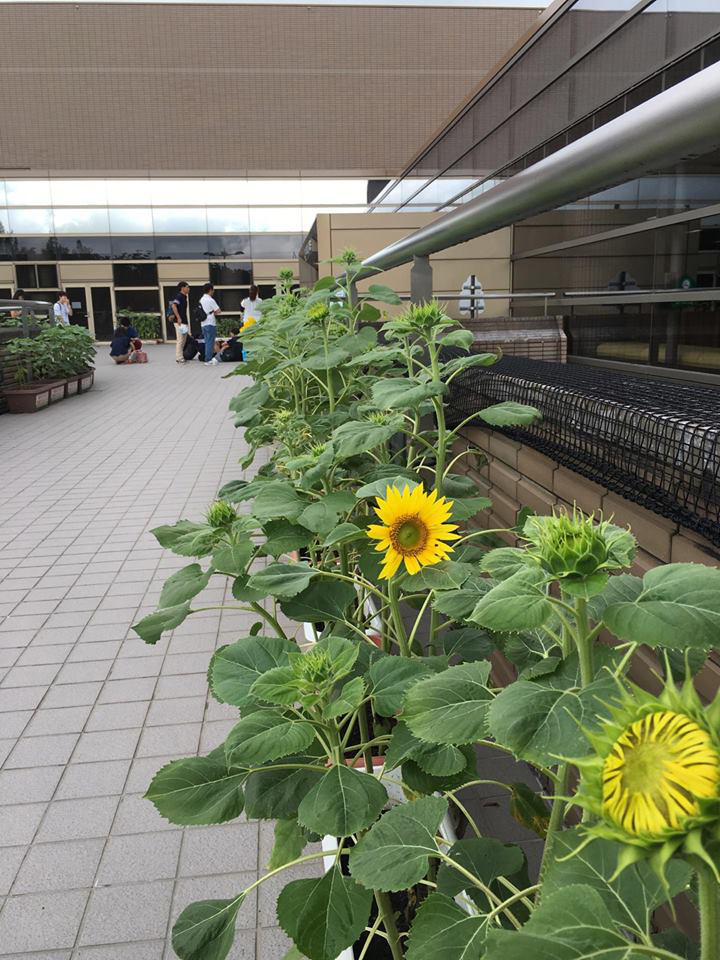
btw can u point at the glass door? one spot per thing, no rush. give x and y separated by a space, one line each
79 303
102 313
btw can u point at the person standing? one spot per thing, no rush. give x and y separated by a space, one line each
62 309
209 324
251 307
178 314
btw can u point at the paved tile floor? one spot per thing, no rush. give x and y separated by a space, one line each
88 869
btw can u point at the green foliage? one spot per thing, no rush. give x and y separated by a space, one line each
56 352
399 669
148 325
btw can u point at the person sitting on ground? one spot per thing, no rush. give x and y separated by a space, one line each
121 346
232 352
19 295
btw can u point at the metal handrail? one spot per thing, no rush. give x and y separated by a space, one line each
681 122
26 308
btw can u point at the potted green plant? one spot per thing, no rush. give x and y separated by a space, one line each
148 325
367 734
52 365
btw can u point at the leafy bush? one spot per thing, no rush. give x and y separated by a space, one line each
148 325
57 352
406 601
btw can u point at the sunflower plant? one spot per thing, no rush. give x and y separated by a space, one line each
363 682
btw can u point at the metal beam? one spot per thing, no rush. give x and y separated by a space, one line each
679 123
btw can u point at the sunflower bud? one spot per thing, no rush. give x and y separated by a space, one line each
575 546
318 312
221 514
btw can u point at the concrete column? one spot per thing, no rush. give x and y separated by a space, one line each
421 280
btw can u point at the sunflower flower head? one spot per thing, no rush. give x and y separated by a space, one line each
413 529
653 780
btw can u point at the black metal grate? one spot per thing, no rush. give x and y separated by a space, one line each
654 442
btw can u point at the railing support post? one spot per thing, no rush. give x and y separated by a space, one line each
421 280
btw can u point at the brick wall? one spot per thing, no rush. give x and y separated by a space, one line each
514 476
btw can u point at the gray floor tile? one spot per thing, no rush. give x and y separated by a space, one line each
42 751
147 856
13 724
272 943
21 698
117 716
131 667
121 914
42 921
72 694
144 769
78 819
83 672
126 951
187 685
123 691
106 745
99 779
33 655
180 710
10 860
28 785
67 865
60 720
158 741
220 849
137 815
19 823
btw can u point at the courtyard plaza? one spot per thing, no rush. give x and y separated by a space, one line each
88 712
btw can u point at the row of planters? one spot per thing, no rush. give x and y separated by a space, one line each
55 363
359 534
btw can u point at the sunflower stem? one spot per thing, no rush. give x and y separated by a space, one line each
556 821
400 635
709 898
388 918
584 643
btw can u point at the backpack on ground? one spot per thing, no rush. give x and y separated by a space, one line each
191 348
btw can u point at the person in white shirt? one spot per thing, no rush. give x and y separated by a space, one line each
209 324
251 307
62 309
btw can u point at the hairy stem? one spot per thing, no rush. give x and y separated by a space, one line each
556 819
709 902
388 918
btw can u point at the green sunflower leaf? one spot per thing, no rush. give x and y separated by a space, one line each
206 930
395 853
443 929
450 707
344 802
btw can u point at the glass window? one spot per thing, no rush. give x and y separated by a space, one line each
130 220
277 247
80 220
275 220
179 220
229 245
68 193
135 274
143 301
224 192
4 221
3 199
333 191
181 248
31 193
228 219
85 248
47 276
174 192
230 300
26 276
132 248
34 248
8 248
133 193
24 220
226 274
275 192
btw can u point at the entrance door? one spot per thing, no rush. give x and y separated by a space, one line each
79 304
103 322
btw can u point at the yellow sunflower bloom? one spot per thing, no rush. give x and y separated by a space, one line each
657 771
413 529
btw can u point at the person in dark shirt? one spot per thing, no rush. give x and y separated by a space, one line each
121 345
232 352
178 315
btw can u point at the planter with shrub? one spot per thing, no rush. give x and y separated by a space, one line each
148 325
55 364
